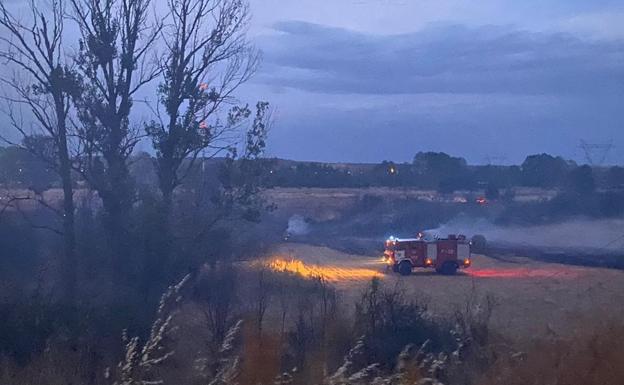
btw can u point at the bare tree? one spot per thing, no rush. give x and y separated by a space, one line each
217 290
262 299
42 83
208 58
114 62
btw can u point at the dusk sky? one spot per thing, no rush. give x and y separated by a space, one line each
369 80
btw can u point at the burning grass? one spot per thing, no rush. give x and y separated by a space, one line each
331 273
336 273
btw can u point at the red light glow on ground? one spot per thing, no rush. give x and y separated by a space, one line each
523 273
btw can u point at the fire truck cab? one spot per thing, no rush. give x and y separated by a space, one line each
445 255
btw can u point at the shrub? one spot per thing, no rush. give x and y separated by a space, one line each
388 320
479 243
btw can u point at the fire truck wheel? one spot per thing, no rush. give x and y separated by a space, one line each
448 268
405 268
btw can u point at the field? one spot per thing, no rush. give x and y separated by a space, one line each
328 203
532 299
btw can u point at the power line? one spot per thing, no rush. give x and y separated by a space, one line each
612 242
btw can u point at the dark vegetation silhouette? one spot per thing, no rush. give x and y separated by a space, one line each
113 64
446 174
123 240
36 49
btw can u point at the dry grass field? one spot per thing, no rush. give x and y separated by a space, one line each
532 299
329 203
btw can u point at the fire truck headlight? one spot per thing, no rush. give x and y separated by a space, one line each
466 262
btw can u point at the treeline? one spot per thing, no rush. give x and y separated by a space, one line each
429 170
445 173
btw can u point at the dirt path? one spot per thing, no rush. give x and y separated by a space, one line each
532 298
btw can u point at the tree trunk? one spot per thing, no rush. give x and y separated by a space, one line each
115 225
167 198
167 181
69 265
69 237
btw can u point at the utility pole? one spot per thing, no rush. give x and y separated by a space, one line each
596 153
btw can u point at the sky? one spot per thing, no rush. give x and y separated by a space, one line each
491 81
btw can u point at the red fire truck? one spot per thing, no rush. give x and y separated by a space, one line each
445 255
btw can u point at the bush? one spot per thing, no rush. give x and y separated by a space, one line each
479 243
492 192
20 249
388 320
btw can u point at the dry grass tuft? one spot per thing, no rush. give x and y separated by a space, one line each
139 362
594 357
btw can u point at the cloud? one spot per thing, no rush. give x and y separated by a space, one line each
451 59
470 91
607 24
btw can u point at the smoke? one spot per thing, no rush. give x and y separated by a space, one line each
297 225
607 235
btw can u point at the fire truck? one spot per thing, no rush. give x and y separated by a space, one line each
445 255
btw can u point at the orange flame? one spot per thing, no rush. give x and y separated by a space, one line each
330 273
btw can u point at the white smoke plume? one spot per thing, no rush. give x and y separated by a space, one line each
297 226
605 234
